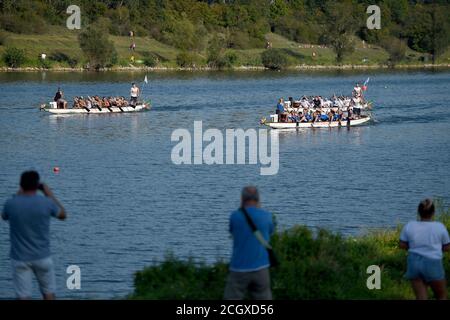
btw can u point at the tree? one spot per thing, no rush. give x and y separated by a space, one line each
396 49
341 28
440 34
96 46
428 30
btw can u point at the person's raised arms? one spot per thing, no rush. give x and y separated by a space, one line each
62 215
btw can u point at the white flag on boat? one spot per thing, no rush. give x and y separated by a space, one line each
145 79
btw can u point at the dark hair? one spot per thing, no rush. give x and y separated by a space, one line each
29 181
249 193
426 208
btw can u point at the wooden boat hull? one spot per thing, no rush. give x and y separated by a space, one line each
320 124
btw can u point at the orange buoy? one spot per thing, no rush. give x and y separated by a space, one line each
56 169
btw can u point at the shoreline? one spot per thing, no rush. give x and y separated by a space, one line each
238 69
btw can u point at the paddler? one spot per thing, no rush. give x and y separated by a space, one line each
357 91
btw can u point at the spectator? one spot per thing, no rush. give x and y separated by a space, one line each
249 267
425 241
29 224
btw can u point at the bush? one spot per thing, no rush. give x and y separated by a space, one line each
14 57
222 60
186 60
231 58
150 60
44 64
61 57
396 49
217 58
274 59
96 46
188 280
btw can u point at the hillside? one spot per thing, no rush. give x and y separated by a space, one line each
62 41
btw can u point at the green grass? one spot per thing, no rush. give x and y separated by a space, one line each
62 40
324 265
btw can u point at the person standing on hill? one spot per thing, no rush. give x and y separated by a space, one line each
426 240
249 267
29 216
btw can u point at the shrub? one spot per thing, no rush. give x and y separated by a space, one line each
396 49
231 58
61 57
217 58
44 64
274 59
186 60
150 60
96 46
14 57
223 60
187 279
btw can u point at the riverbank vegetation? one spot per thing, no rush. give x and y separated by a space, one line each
321 265
224 34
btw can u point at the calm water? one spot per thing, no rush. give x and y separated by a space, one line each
129 205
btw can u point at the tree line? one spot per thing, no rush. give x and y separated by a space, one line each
198 25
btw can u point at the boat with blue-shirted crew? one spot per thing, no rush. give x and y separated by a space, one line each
318 112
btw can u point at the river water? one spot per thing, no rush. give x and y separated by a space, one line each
129 205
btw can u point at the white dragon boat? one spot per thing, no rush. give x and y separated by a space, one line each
51 108
275 124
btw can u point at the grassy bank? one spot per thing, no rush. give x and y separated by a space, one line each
63 52
324 265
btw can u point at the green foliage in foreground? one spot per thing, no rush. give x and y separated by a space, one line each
320 266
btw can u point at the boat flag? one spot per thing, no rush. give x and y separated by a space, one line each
364 87
145 79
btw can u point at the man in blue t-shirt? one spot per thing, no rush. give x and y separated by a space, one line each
29 215
280 106
249 266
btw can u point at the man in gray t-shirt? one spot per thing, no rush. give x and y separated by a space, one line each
29 216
